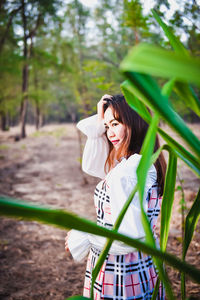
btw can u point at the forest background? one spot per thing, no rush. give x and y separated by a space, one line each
57 58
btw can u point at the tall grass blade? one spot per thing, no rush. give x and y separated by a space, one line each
168 198
185 92
183 287
188 96
148 91
150 59
168 87
190 223
134 102
143 167
142 170
174 41
181 152
156 289
129 91
64 219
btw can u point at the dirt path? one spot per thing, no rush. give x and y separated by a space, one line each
44 169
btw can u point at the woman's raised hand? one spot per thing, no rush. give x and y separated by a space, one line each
100 105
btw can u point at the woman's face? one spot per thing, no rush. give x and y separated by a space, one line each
114 129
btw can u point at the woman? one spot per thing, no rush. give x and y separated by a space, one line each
114 140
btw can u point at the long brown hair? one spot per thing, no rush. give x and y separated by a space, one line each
136 129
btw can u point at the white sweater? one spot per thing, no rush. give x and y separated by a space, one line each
121 181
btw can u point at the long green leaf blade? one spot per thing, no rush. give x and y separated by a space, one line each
168 198
150 59
185 92
174 41
143 167
145 162
190 223
64 219
168 87
128 91
181 152
142 170
134 102
188 96
149 93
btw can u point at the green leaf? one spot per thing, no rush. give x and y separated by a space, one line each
188 96
181 152
168 198
142 171
150 59
156 289
174 41
190 223
134 102
146 152
149 93
128 91
64 219
168 87
185 92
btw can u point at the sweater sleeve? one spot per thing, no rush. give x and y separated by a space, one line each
79 244
121 184
96 148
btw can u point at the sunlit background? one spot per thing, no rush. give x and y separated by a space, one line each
58 57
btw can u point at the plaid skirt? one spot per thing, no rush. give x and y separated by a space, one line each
130 276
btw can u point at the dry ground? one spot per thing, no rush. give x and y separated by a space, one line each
44 169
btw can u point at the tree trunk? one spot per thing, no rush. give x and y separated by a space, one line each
24 77
3 121
37 117
137 37
41 120
24 101
37 101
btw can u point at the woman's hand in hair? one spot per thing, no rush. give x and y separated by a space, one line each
100 104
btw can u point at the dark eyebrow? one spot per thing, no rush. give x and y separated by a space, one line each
110 121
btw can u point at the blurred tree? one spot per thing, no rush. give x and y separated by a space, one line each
27 16
10 64
77 16
34 14
69 55
134 18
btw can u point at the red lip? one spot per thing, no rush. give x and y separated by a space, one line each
114 142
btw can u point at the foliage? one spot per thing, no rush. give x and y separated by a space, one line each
142 91
71 62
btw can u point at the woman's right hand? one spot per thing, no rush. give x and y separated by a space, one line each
100 105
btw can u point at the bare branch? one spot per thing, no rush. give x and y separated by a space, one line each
37 24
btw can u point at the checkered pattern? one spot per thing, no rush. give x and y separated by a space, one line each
102 205
131 276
